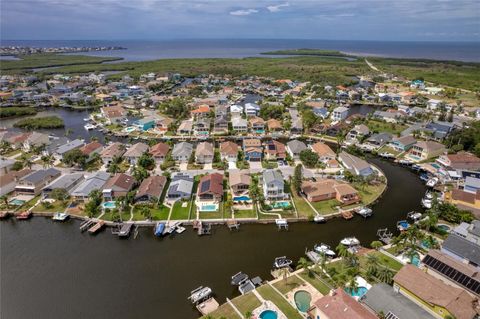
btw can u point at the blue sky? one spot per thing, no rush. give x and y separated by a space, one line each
422 20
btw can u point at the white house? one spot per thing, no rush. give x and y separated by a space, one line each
339 113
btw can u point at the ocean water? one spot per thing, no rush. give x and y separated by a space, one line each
151 50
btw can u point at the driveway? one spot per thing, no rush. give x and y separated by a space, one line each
183 166
232 165
255 167
207 166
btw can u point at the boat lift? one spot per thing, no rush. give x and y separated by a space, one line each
384 235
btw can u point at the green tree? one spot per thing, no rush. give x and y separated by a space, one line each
297 179
309 158
60 194
304 264
146 161
385 275
376 244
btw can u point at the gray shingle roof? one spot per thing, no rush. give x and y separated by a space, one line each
40 175
64 181
462 248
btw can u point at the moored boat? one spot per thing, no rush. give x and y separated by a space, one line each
89 126
125 230
199 294
364 212
324 249
60 216
350 241
239 278
159 228
23 215
282 262
432 182
319 219
402 225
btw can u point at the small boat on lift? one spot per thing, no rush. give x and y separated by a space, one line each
239 278
159 228
23 215
319 219
90 126
414 216
60 217
365 212
200 294
402 225
432 182
350 241
324 249
282 262
427 203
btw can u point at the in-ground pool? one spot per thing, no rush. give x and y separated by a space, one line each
416 261
268 314
109 205
359 292
130 129
281 204
208 208
16 202
435 165
444 227
302 300
243 198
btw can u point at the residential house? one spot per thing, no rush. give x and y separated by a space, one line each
273 185
378 140
180 187
439 130
162 124
33 183
236 109
402 143
251 109
202 126
210 188
257 124
275 150
239 125
114 114
274 125
159 152
239 183
424 150
91 183
6 165
462 249
113 150
182 151
67 147
321 112
145 124
339 113
471 231
460 161
35 139
358 132
91 149
229 151
355 165
67 182
204 153
201 111
118 185
252 149
9 181
185 127
324 152
381 298
296 121
326 189
134 152
434 295
339 305
295 147
389 117
151 189
220 124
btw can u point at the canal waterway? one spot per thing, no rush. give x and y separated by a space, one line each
51 270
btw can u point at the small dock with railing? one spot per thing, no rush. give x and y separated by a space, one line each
384 235
232 224
281 224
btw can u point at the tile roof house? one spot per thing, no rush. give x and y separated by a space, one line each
204 153
433 294
67 182
402 143
325 189
358 131
113 150
295 147
274 125
93 182
150 189
9 180
274 150
252 149
239 183
273 185
118 185
339 305
114 114
91 149
185 127
210 187
159 151
182 151
324 152
201 126
229 151
460 161
134 152
180 187
424 150
380 139
33 183
257 124
355 165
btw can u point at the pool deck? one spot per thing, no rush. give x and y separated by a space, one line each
305 286
267 305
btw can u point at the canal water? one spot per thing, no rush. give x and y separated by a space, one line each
51 270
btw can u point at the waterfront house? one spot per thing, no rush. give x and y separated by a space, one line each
145 124
434 295
358 132
389 117
239 125
378 140
355 165
114 114
339 305
9 180
273 185
118 185
35 139
229 151
321 112
180 187
463 249
93 182
113 150
467 198
182 151
402 143
326 189
251 109
239 183
460 161
236 109
257 124
159 152
134 152
339 113
61 150
91 149
424 150
204 153
324 152
274 150
210 188
67 182
252 149
220 124
295 147
151 189
274 125
33 183
201 111
185 127
438 130
382 299
202 126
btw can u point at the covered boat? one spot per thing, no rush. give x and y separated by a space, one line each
282 262
324 249
159 228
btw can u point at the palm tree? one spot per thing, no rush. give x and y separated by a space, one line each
284 272
248 314
47 160
304 264
352 284
376 244
432 242
385 275
26 161
4 199
372 264
342 250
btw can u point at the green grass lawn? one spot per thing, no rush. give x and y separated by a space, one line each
110 215
379 126
315 282
387 149
246 303
287 284
384 260
247 213
29 204
224 311
181 213
303 209
56 206
326 207
269 293
160 213
211 215
369 193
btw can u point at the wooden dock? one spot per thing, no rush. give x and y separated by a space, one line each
95 228
347 215
86 225
208 306
233 224
384 235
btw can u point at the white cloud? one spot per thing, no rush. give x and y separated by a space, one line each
277 7
244 12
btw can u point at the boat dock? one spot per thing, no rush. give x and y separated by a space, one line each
281 224
384 235
200 294
86 225
233 224
204 229
313 256
208 306
347 215
95 228
125 230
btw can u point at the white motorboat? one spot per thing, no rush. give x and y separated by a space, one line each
60 216
324 249
414 216
282 262
387 155
319 219
350 241
180 229
428 195
365 212
200 294
432 182
86 119
89 126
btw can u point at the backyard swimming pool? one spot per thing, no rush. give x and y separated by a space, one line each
130 129
16 202
281 205
444 227
359 292
268 314
109 205
208 208
302 300
241 198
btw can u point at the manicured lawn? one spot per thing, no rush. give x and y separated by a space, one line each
303 209
224 311
388 150
56 206
181 213
160 213
384 260
30 203
379 126
369 193
326 207
211 215
287 284
110 216
247 213
269 293
246 303
315 282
